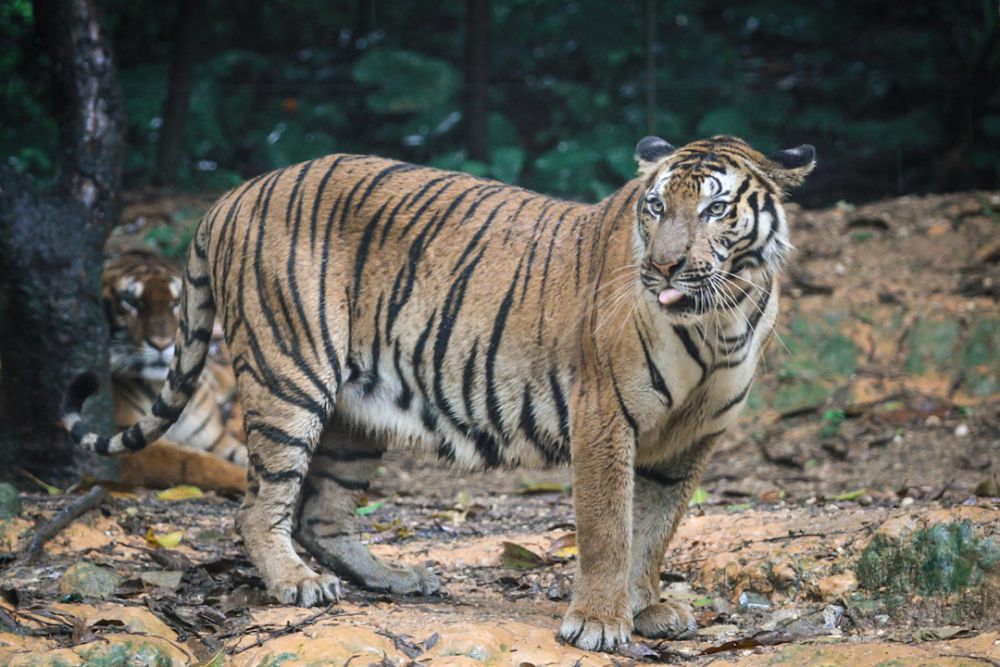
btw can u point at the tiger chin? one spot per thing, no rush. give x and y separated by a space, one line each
141 293
496 326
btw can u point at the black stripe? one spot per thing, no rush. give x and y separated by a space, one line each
633 424
562 408
349 484
536 235
545 272
487 446
378 178
318 198
324 325
661 478
203 424
449 314
406 394
492 399
530 427
278 435
418 359
474 241
469 381
427 204
691 349
361 255
350 456
263 473
655 377
345 211
731 403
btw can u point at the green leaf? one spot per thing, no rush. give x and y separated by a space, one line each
516 557
365 510
850 495
699 497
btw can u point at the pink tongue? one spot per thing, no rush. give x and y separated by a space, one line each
669 295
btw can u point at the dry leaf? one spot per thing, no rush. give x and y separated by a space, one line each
182 492
516 557
564 548
167 540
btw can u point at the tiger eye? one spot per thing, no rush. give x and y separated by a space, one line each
718 208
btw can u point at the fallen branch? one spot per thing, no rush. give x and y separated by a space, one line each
91 500
286 630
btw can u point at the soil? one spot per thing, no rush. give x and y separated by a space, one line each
853 516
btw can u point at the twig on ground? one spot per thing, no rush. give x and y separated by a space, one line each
286 630
91 500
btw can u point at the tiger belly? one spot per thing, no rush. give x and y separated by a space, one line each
380 408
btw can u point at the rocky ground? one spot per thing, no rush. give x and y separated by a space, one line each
852 518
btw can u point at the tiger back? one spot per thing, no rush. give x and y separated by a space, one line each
141 292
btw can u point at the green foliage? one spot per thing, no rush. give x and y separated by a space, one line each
832 419
913 103
405 82
942 558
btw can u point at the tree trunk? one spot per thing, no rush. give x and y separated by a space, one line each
177 101
477 73
649 20
52 324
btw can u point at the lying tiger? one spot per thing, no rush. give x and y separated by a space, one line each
141 294
367 297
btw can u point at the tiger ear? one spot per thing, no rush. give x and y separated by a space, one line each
649 152
790 167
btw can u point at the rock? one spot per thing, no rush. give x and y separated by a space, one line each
10 501
750 600
165 579
987 488
90 580
835 586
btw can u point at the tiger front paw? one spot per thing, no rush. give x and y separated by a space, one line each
592 632
306 589
666 620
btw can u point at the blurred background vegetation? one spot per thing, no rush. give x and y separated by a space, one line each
898 97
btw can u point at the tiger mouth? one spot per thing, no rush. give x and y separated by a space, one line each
672 300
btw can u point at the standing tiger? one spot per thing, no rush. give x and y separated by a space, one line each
141 293
366 300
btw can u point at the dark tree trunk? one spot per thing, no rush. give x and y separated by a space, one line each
52 325
176 103
649 21
477 73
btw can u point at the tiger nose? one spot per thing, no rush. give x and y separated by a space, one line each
160 342
667 268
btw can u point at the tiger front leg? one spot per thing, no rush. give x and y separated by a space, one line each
661 495
340 471
599 617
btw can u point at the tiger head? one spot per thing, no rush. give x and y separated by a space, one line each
710 225
141 298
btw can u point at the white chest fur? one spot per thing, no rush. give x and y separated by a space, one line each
707 368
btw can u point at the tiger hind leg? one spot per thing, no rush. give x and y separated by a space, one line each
341 469
280 438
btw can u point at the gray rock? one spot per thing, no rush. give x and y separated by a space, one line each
90 580
10 501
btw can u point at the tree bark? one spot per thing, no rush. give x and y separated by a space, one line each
477 73
649 21
178 98
52 324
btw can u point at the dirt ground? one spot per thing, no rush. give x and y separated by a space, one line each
852 518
